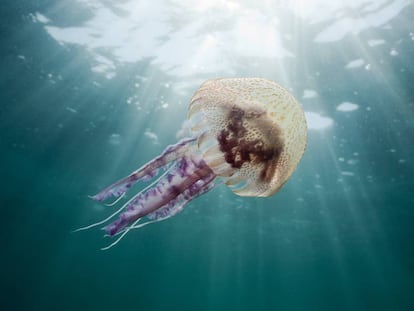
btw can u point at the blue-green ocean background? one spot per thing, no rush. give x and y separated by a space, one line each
338 236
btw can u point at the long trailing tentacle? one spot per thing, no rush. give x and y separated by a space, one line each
99 222
166 211
116 201
124 232
189 177
177 205
124 206
148 170
120 238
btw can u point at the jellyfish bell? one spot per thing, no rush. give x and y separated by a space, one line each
248 133
253 131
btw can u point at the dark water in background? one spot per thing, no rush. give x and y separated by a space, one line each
339 235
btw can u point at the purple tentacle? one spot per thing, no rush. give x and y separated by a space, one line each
147 171
177 205
189 178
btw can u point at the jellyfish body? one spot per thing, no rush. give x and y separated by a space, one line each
248 133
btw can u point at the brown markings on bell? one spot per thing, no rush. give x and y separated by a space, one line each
238 149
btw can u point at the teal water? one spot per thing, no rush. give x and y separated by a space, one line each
91 90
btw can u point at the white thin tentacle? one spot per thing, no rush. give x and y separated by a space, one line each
154 182
100 222
180 207
122 231
116 201
133 226
147 223
120 238
123 206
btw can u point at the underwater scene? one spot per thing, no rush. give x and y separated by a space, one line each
207 155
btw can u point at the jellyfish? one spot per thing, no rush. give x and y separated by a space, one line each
246 133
